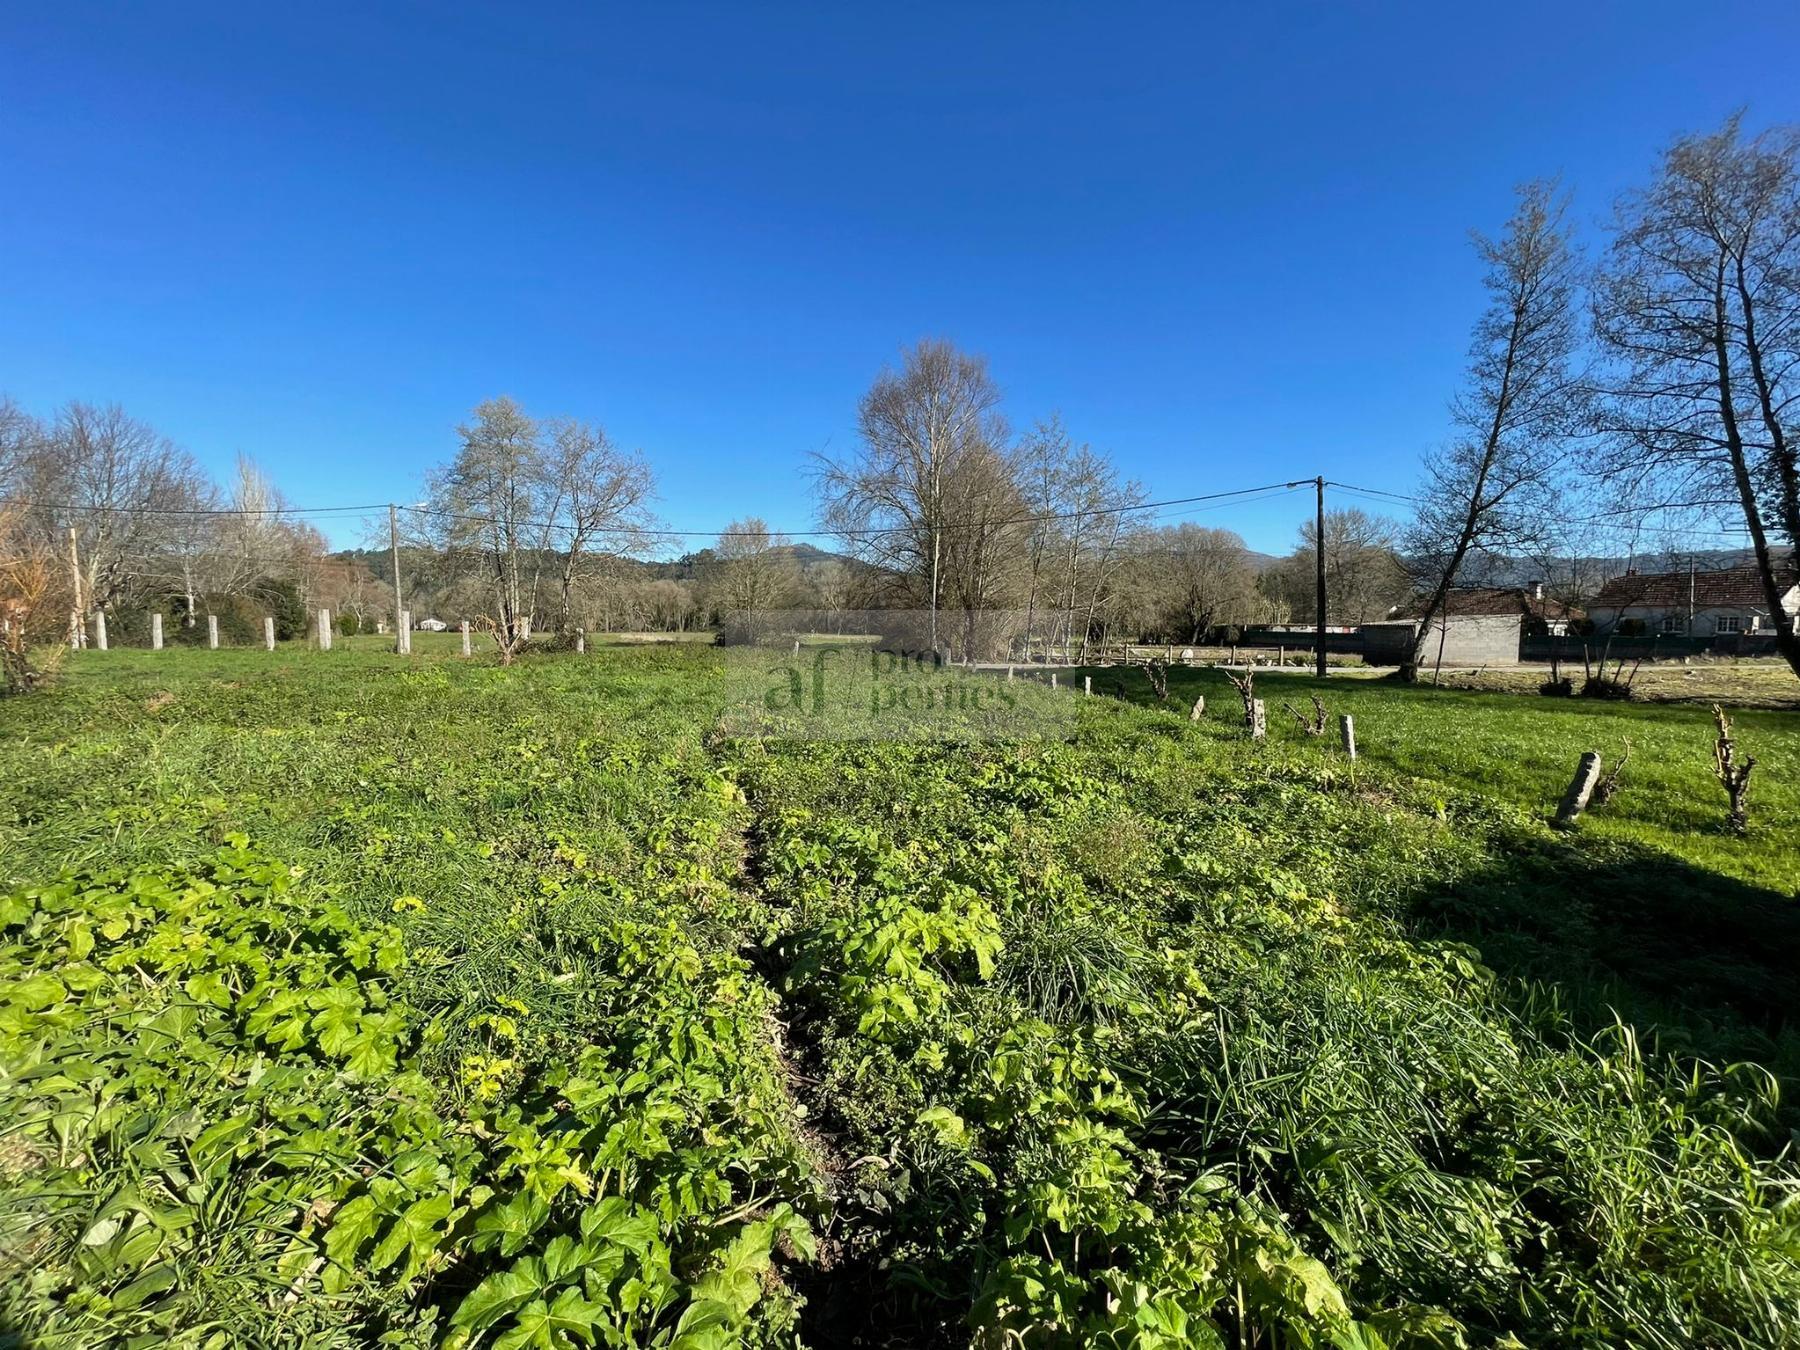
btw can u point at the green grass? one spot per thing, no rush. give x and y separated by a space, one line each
902 1012
1522 749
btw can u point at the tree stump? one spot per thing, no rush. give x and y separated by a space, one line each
1581 787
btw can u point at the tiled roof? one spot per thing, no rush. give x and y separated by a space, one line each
1733 587
1497 600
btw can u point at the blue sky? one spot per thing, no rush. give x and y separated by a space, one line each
1228 244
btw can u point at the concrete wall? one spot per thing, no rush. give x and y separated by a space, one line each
1468 640
1386 644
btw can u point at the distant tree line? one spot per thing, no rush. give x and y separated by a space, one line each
100 512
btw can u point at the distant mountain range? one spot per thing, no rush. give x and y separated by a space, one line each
1488 572
1525 571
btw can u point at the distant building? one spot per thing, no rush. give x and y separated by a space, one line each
1693 603
432 625
1478 626
1455 640
1539 615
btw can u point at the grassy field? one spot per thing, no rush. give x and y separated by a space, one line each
671 996
1522 749
1747 683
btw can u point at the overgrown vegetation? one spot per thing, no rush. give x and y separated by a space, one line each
348 1001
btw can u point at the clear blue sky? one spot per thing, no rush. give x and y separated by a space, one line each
1229 243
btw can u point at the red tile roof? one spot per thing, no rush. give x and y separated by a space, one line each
1497 600
1729 588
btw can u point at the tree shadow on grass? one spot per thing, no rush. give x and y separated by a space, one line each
1698 963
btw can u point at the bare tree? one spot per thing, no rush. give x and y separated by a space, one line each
1199 576
894 503
1699 303
832 585
20 437
981 552
1041 462
1494 484
757 575
667 606
1364 575
348 587
599 495
34 601
490 501
115 480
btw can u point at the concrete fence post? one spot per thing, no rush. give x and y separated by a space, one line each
465 637
156 632
268 632
100 630
796 646
1199 709
403 634
1581 787
212 631
1259 720
1087 686
324 630
1009 674
581 640
1053 679
1347 728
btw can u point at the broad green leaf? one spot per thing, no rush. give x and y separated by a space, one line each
510 1224
209 987
495 1297
413 1235
351 1225
612 1221
36 992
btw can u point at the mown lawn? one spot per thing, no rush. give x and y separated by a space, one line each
686 997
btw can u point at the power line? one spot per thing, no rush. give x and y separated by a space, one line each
1236 496
646 531
195 510
851 531
1372 492
1595 520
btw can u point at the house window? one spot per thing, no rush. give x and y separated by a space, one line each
1728 623
1673 623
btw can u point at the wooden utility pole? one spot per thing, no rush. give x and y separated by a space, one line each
1319 576
394 549
77 630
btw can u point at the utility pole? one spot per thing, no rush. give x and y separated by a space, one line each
1319 579
394 548
78 637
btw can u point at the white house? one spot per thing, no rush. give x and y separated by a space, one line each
1693 603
